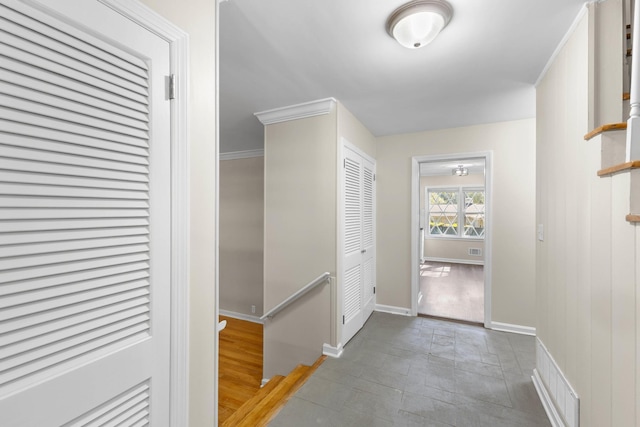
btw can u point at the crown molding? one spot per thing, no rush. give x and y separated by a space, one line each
234 155
298 111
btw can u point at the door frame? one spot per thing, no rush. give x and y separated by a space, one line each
415 224
178 41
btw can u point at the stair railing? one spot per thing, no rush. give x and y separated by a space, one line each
633 123
295 296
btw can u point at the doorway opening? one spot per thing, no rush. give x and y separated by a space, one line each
450 235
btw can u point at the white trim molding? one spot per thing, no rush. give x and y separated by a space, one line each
246 154
178 41
331 351
559 399
415 224
402 311
240 316
514 329
298 111
565 39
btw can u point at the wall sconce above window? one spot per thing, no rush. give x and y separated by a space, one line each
460 171
418 22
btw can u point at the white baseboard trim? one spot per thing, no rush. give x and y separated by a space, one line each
241 316
331 351
547 403
454 261
264 382
559 399
516 329
393 310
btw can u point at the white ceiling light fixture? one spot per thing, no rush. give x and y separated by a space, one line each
460 171
418 22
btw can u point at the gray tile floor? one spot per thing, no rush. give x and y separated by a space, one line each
407 371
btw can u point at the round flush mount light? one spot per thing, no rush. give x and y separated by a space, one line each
418 22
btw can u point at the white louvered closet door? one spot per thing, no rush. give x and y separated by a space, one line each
84 218
358 278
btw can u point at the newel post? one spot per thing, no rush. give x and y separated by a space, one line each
633 123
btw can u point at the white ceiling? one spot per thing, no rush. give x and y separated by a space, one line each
480 69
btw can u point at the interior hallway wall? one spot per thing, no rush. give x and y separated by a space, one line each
587 264
198 19
513 257
241 235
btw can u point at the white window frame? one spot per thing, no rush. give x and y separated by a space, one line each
460 189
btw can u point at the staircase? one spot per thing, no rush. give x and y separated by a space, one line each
261 408
615 139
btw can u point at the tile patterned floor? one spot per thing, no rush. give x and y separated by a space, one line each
407 371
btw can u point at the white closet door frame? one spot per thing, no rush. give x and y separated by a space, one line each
178 41
340 239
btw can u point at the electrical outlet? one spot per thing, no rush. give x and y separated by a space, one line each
253 309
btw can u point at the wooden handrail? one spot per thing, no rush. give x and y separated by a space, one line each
295 296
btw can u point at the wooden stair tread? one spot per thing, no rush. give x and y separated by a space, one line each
633 217
626 96
248 406
605 128
261 411
623 167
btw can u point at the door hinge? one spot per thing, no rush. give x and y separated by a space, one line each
172 86
374 176
343 319
344 163
374 290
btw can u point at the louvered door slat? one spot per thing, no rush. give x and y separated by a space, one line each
31 345
37 150
113 408
39 62
48 270
68 257
49 106
72 277
61 236
352 206
72 36
56 51
35 353
70 245
60 191
40 34
59 202
132 414
367 208
40 79
26 226
10 164
101 138
61 213
75 309
352 294
70 181
128 308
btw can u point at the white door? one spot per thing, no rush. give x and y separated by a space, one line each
84 217
359 242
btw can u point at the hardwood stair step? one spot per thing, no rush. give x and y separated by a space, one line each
622 167
250 404
633 218
262 411
605 128
626 96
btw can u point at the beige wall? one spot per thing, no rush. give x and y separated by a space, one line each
350 128
513 257
446 248
586 266
300 237
198 18
241 235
